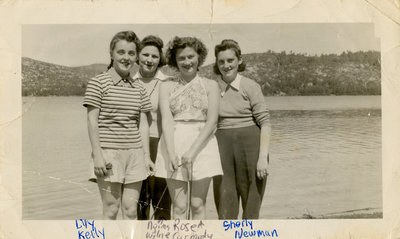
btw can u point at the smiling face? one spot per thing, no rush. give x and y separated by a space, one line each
149 58
228 64
187 61
124 56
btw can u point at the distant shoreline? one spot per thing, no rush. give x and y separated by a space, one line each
278 74
275 103
365 213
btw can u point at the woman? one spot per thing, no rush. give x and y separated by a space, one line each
188 151
243 137
154 190
120 150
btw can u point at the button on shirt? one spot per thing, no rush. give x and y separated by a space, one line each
120 102
242 104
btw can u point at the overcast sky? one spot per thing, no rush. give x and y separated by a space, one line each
76 45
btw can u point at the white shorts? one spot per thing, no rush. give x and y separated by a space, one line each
206 164
128 166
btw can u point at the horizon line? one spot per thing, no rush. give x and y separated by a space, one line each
288 53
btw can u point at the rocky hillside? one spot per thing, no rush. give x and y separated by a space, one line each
278 74
42 79
297 74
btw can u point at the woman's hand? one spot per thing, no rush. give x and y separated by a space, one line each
174 164
149 165
100 168
187 161
262 167
188 157
263 158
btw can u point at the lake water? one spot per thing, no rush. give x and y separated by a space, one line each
325 158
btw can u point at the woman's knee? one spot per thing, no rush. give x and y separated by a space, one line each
178 192
179 207
110 209
197 205
129 211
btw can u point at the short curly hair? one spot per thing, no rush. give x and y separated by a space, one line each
183 42
128 36
156 42
225 45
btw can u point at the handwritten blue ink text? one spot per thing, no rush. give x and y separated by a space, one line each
244 229
87 229
255 233
237 224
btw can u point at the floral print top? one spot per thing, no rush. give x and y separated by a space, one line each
188 100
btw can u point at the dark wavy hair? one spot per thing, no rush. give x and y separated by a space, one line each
225 45
128 36
183 42
156 42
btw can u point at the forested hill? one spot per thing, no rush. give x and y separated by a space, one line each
278 74
42 79
298 74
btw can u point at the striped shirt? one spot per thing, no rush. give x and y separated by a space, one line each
120 103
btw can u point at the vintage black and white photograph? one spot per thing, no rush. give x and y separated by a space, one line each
201 121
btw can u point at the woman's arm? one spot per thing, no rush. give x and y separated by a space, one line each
261 115
263 162
98 160
167 123
213 96
144 134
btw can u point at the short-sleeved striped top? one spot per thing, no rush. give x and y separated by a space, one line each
120 102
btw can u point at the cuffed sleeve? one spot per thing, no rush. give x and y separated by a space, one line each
93 94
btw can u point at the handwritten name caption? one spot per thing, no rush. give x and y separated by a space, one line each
87 229
178 230
244 229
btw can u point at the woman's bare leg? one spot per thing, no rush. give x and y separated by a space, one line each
130 197
178 191
111 198
198 199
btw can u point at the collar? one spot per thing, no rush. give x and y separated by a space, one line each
159 75
116 77
235 84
